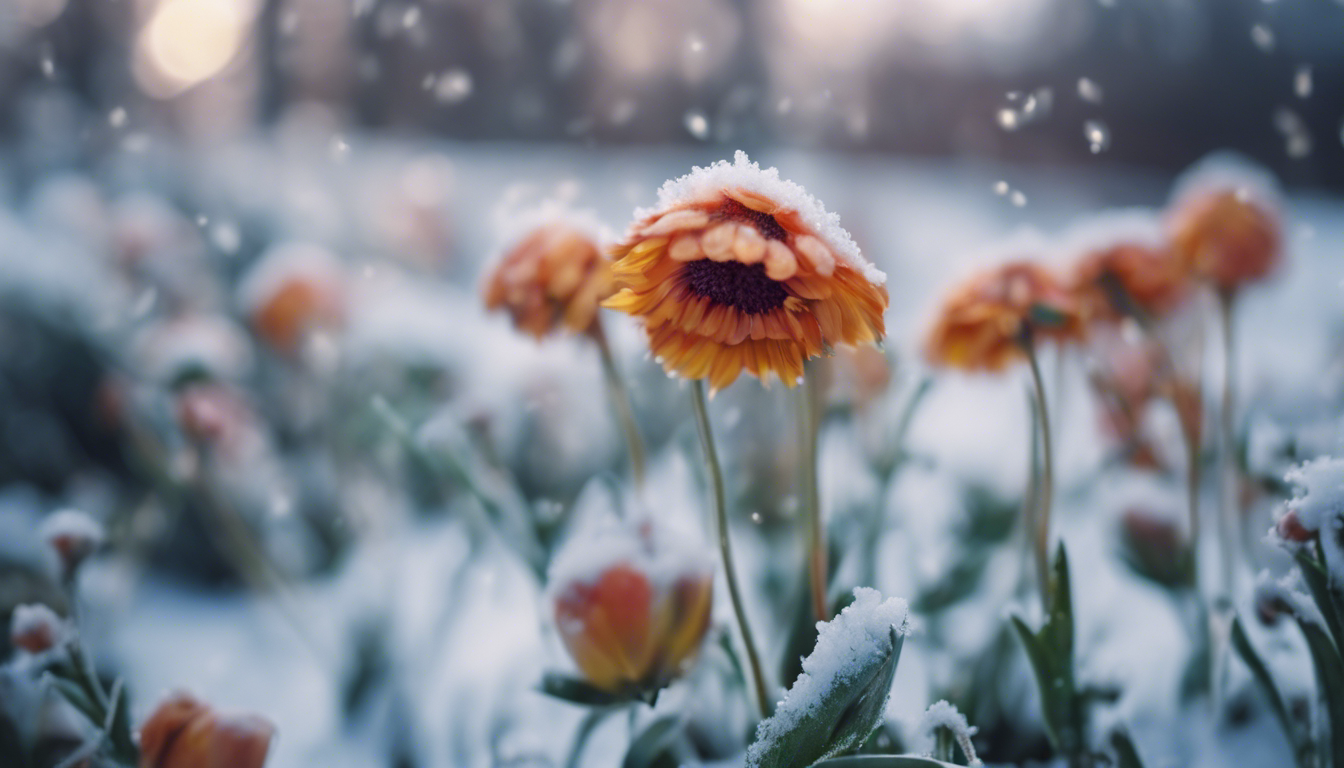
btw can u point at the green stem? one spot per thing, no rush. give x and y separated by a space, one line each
1045 482
701 409
808 434
620 402
1230 517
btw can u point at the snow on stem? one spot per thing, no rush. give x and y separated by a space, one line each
715 471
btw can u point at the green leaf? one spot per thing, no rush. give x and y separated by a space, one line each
653 743
1242 644
580 692
884 761
1330 681
74 694
843 720
1126 756
1050 652
1327 597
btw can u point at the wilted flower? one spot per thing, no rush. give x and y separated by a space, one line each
555 276
631 606
1225 228
73 535
294 289
184 732
737 269
35 628
987 321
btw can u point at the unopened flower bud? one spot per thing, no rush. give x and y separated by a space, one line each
1290 528
184 732
35 628
631 606
1156 547
73 535
293 290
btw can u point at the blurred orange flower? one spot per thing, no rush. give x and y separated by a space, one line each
634 623
986 321
1225 236
554 277
736 269
184 732
1112 282
293 290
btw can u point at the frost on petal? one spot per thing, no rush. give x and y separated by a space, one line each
848 672
746 175
35 628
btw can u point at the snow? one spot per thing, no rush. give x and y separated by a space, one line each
744 174
1222 171
943 714
846 645
1290 591
285 262
1318 500
76 527
1141 226
35 627
662 555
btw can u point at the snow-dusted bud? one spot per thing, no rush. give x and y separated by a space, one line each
35 628
73 535
632 605
1290 528
1224 224
293 290
184 732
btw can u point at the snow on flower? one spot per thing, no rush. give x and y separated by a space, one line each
943 714
1317 507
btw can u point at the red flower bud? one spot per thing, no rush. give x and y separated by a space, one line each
633 609
184 732
35 628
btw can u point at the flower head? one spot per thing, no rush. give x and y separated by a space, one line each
1224 226
987 321
293 290
35 628
631 606
737 269
73 536
554 277
184 732
1125 266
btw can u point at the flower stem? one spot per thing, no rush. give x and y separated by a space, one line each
1045 482
1230 518
620 402
808 434
725 549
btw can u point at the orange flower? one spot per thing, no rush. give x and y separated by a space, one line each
631 607
1108 280
1225 235
736 269
986 321
554 277
293 290
184 732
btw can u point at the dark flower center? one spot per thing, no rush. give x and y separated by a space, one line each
763 222
731 283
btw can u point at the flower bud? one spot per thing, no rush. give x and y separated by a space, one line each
293 290
631 606
1156 547
1290 528
73 535
184 732
35 628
